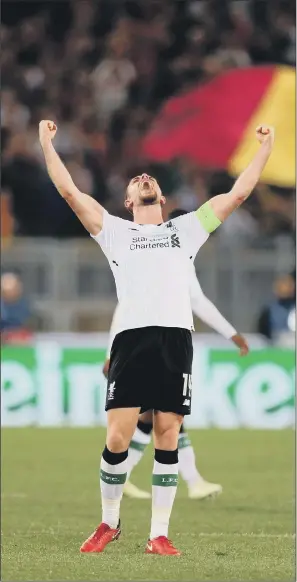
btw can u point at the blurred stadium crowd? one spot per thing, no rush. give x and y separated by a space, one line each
102 70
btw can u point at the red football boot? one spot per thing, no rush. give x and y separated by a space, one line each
102 536
162 546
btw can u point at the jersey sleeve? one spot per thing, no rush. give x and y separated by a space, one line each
207 311
193 230
108 234
198 225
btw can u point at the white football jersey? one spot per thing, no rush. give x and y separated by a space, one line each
201 306
152 266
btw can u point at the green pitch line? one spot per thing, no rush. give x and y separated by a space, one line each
51 503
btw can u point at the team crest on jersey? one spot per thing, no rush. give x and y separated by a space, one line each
175 241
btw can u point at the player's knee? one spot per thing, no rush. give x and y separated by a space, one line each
166 435
167 421
166 440
116 441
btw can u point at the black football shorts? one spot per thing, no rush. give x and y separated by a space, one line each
151 368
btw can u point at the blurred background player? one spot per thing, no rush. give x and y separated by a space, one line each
17 318
277 320
198 488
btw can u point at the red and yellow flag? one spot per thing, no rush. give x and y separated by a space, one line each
215 124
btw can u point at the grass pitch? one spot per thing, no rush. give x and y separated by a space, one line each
51 503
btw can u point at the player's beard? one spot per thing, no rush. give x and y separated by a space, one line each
148 196
149 200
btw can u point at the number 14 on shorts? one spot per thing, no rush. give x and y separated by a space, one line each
187 389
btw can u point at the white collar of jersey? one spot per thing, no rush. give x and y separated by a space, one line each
146 225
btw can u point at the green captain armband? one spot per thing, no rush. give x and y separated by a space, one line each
207 217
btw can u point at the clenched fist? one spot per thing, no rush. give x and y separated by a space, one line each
265 133
47 130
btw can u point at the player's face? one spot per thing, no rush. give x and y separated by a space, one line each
143 191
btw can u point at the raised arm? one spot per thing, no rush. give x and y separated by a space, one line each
89 212
209 314
214 212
